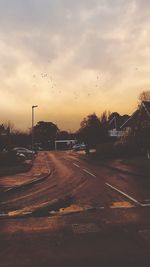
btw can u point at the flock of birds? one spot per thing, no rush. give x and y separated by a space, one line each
54 88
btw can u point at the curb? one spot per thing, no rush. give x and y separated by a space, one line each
115 168
32 182
13 171
51 213
125 171
36 180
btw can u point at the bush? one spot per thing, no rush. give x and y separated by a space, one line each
118 149
105 150
10 158
126 149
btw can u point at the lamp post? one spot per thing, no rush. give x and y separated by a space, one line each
33 107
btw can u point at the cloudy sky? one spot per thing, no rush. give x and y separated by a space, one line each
72 58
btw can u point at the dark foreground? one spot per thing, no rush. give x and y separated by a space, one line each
69 211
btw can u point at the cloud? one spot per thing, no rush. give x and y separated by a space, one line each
73 43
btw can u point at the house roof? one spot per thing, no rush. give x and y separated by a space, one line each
117 121
145 105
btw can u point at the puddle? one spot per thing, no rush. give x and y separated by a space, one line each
122 204
56 206
146 201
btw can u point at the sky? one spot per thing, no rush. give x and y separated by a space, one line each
72 58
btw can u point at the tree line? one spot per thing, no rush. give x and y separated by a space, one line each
93 130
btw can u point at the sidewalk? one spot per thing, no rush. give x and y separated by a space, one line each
14 169
134 166
38 170
138 166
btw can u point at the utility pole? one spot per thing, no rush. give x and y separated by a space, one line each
33 107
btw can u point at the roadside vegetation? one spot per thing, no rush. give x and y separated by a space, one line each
138 162
111 135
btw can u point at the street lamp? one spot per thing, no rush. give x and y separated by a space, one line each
33 107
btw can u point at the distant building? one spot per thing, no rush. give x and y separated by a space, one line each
121 125
114 125
140 118
64 144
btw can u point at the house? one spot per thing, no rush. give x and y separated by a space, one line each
140 118
114 124
139 125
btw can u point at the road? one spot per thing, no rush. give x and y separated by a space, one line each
82 213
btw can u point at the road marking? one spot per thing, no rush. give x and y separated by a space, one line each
3 215
100 208
14 214
9 189
35 180
76 165
89 173
124 194
94 208
26 212
122 204
145 205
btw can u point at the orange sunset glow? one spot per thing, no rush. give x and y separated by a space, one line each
72 58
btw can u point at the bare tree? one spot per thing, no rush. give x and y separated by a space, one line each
144 96
9 125
104 118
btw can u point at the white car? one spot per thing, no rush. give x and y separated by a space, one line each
29 154
78 147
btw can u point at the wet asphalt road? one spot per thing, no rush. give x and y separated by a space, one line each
81 214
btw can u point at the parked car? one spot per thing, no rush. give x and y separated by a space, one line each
11 157
36 149
79 147
29 154
20 157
